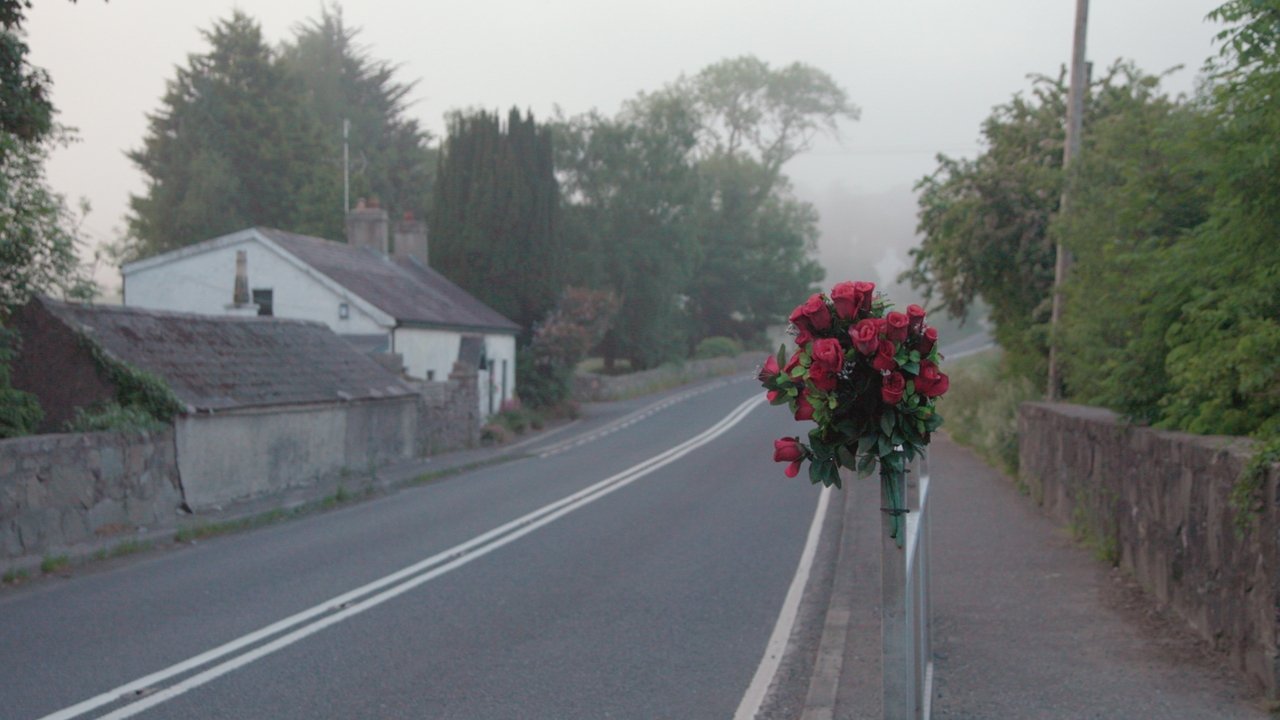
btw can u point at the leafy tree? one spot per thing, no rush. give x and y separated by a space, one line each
984 222
495 224
37 232
1141 188
392 159
1224 356
631 195
233 145
755 239
561 341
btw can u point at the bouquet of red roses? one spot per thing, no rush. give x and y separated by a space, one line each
867 376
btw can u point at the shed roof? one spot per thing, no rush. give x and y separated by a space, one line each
220 363
400 287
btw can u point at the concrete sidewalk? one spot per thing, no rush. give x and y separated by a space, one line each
1026 622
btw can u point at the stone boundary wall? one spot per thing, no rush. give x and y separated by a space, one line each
449 412
59 491
1158 503
594 387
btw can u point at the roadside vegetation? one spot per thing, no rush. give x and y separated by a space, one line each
1172 315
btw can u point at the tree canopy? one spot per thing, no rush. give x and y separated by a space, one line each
250 135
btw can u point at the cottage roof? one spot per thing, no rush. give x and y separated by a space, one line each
400 287
219 363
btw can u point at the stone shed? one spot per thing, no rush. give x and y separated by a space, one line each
264 404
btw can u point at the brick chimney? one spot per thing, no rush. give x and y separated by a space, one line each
367 226
241 303
411 239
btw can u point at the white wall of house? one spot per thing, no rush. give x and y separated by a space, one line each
428 354
498 382
203 282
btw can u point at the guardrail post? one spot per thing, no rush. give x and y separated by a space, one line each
907 667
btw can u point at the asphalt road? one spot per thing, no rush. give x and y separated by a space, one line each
654 598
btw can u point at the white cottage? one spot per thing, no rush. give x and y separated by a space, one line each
378 301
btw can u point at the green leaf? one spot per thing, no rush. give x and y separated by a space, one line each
866 465
782 356
846 457
915 356
884 446
866 443
887 421
912 367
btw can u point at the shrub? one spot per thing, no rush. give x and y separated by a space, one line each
717 346
982 407
112 416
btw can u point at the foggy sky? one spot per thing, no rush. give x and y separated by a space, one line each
924 72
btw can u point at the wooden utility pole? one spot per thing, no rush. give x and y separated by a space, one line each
1070 152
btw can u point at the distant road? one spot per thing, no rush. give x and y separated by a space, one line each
971 345
635 570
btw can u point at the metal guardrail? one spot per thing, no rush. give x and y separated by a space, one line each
907 679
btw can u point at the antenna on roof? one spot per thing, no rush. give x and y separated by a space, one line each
346 167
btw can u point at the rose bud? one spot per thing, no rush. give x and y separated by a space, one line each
822 378
868 290
928 339
884 357
915 319
892 387
770 371
789 450
816 312
827 353
896 326
804 410
866 336
930 382
847 299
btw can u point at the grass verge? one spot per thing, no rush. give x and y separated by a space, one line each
981 408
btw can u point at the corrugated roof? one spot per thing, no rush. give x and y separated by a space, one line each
218 363
402 288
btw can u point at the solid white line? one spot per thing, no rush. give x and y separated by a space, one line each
456 557
777 645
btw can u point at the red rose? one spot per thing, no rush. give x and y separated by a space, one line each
866 336
816 312
928 339
789 450
896 326
915 318
770 370
884 357
931 382
847 299
827 353
804 410
892 387
868 290
823 379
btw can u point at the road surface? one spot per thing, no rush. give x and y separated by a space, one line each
630 570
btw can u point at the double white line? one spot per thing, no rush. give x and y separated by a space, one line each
342 607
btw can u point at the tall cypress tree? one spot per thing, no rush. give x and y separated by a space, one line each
494 224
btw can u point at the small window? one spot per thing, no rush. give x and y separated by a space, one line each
344 311
262 298
431 375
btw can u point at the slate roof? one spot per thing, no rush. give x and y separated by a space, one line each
220 363
400 287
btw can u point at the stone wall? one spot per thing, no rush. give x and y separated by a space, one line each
594 387
449 412
59 491
1158 503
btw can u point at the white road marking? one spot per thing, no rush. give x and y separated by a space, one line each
631 419
407 579
777 645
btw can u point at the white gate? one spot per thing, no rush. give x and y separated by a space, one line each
904 587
